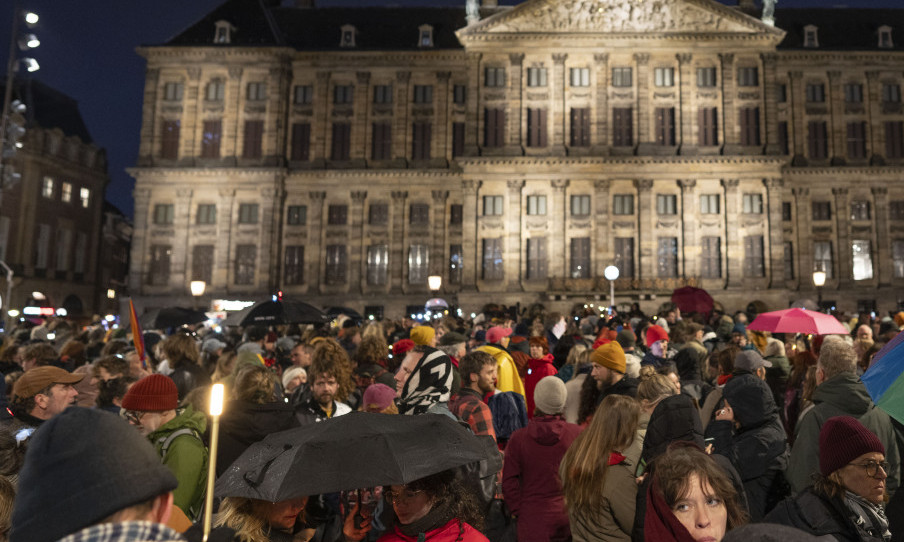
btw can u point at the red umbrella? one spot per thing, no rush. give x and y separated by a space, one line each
690 299
798 321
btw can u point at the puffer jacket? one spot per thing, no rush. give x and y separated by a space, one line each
186 456
758 446
820 516
530 477
842 395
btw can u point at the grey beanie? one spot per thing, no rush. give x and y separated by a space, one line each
550 395
81 466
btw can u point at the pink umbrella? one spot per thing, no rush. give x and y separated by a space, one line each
798 321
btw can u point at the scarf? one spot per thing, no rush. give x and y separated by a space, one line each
870 517
429 383
660 523
434 519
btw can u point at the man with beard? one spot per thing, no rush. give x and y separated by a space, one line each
325 376
478 378
609 371
40 394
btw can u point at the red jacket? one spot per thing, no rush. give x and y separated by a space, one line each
536 369
449 532
530 478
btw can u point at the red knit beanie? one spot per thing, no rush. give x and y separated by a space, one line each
842 440
400 347
656 333
154 393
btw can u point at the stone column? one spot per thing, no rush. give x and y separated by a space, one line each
149 122
804 239
275 127
515 133
643 100
556 246
874 102
400 117
729 91
470 248
357 257
689 215
770 103
686 117
441 150
190 131
398 214
140 250
603 245
798 128
513 226
181 225
558 108
268 252
844 260
646 228
882 257
439 237
223 247
734 247
600 140
776 256
232 122
474 113
315 252
360 119
320 131
837 128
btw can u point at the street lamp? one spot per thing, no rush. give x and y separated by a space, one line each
819 280
435 282
197 289
611 273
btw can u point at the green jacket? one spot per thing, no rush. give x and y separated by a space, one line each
186 456
841 395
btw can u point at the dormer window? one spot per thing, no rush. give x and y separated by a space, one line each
223 32
348 36
811 36
885 41
425 36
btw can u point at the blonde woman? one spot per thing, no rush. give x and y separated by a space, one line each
262 521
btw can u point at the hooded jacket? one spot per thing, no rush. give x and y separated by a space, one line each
842 395
186 456
244 423
758 446
820 516
507 378
536 369
530 478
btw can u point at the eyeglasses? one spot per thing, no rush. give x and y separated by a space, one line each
403 496
872 467
132 416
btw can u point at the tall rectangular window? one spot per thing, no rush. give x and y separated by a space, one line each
248 213
202 263
216 91
817 139
65 193
378 265
342 141
536 128
781 93
337 215
816 93
536 77
164 213
172 92
894 139
580 205
420 140
343 94
748 76
783 143
382 141
419 214
458 139
580 77
709 204
159 268
711 257
257 91
303 95
752 204
84 197
494 128
254 139
494 77
862 259
667 257
418 264
753 256
897 258
860 210
455 264
383 94
622 127
708 127
169 140
896 209
537 266
623 204
856 140
853 93
665 126
624 256
378 214
63 245
212 132
459 94
296 215
580 127
207 214
492 206
47 187
580 257
245 264
788 249
336 264
706 77
822 210
423 94
455 214
293 267
891 93
536 205
822 257
301 141
492 259
666 204
664 77
750 125
622 77
81 252
787 212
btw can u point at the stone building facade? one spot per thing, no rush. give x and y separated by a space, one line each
343 155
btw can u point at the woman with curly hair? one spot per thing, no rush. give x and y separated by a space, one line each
183 355
262 521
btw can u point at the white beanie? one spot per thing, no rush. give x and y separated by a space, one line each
291 373
550 395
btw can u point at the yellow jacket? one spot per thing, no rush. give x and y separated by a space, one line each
507 378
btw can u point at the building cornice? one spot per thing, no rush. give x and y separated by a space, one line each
855 57
858 171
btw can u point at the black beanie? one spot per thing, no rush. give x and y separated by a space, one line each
81 466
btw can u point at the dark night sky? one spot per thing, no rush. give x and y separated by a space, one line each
88 52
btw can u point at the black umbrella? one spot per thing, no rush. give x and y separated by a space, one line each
282 312
333 312
360 449
171 317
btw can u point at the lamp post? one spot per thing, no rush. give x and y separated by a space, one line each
611 273
216 409
435 282
819 280
197 289
28 41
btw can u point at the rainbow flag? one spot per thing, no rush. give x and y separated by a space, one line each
137 335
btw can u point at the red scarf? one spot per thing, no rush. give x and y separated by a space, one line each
615 458
722 380
660 523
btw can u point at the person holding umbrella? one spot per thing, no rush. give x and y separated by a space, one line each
256 520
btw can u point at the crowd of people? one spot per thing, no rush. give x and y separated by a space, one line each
610 428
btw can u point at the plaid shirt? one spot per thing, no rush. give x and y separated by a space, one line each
127 531
468 406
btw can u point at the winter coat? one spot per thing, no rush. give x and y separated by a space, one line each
573 400
453 531
841 395
189 376
310 411
626 386
758 448
819 515
615 519
536 369
243 423
507 378
777 379
186 456
126 531
530 478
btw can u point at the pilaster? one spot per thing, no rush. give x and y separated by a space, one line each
642 60
844 260
776 257
360 122
474 113
600 141
441 149
149 118
646 227
515 137
883 257
357 258
398 213
190 131
804 239
734 248
873 103
689 214
317 219
558 110
686 110
321 129
602 242
797 95
223 247
557 245
400 118
512 252
439 236
835 99
770 103
469 246
139 260
729 93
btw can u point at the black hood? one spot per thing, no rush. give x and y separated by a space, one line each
751 399
688 362
675 418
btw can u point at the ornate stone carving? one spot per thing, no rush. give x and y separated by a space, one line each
749 95
471 186
537 95
601 185
726 58
443 76
399 194
403 77
872 75
516 59
323 77
317 195
664 95
879 190
641 58
800 191
580 224
227 192
269 192
666 223
623 225
840 191
623 95
184 192
194 74
152 74
684 58
796 74
560 58
687 184
363 78
358 196
235 72
515 184
536 223
440 195
774 183
834 75
730 183
643 184
601 58
559 184
491 223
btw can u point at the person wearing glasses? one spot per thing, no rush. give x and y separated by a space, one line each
847 499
